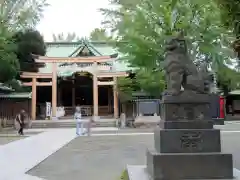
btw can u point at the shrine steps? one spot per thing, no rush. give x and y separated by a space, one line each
70 123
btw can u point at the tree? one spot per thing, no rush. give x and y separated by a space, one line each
231 19
21 14
99 34
8 60
152 82
70 37
126 86
228 79
29 42
146 25
15 16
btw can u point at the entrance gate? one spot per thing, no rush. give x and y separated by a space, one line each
94 70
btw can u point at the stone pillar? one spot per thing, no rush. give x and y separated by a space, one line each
34 98
115 98
54 90
95 92
73 94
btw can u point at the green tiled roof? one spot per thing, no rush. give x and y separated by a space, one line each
71 49
60 50
22 95
66 49
5 88
235 92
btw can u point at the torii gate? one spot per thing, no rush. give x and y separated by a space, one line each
53 83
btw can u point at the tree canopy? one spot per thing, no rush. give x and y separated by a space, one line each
99 34
8 60
15 16
146 24
21 14
231 19
69 37
29 42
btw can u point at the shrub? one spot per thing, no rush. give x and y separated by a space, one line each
124 175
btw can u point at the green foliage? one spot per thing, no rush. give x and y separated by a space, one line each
21 14
124 175
228 79
29 42
230 14
69 37
16 85
8 60
99 34
15 16
147 24
152 82
126 86
231 19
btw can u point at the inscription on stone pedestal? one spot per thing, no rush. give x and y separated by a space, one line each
191 141
189 112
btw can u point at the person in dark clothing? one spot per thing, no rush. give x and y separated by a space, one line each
20 119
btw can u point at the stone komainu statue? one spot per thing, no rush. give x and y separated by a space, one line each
181 71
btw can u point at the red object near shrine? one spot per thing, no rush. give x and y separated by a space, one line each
222 107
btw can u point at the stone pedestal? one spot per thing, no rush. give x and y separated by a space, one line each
187 140
186 145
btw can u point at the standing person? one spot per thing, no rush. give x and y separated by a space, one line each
79 123
20 119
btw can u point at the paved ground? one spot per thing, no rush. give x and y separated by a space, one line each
15 133
7 139
20 156
104 157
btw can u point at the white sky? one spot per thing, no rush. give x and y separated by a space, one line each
63 16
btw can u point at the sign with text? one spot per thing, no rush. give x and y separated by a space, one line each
48 109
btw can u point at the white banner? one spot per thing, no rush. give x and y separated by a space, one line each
48 109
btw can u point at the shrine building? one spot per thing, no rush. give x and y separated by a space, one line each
76 74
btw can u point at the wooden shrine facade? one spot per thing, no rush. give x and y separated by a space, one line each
111 77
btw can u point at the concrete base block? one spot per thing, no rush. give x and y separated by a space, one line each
139 172
189 165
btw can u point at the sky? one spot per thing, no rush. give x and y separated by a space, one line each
63 16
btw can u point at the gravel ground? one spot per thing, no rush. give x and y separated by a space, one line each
105 157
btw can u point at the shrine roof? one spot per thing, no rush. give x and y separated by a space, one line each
72 49
69 49
15 95
5 88
235 92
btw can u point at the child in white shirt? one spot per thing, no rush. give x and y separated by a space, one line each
79 123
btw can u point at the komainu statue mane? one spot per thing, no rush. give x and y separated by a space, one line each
180 70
